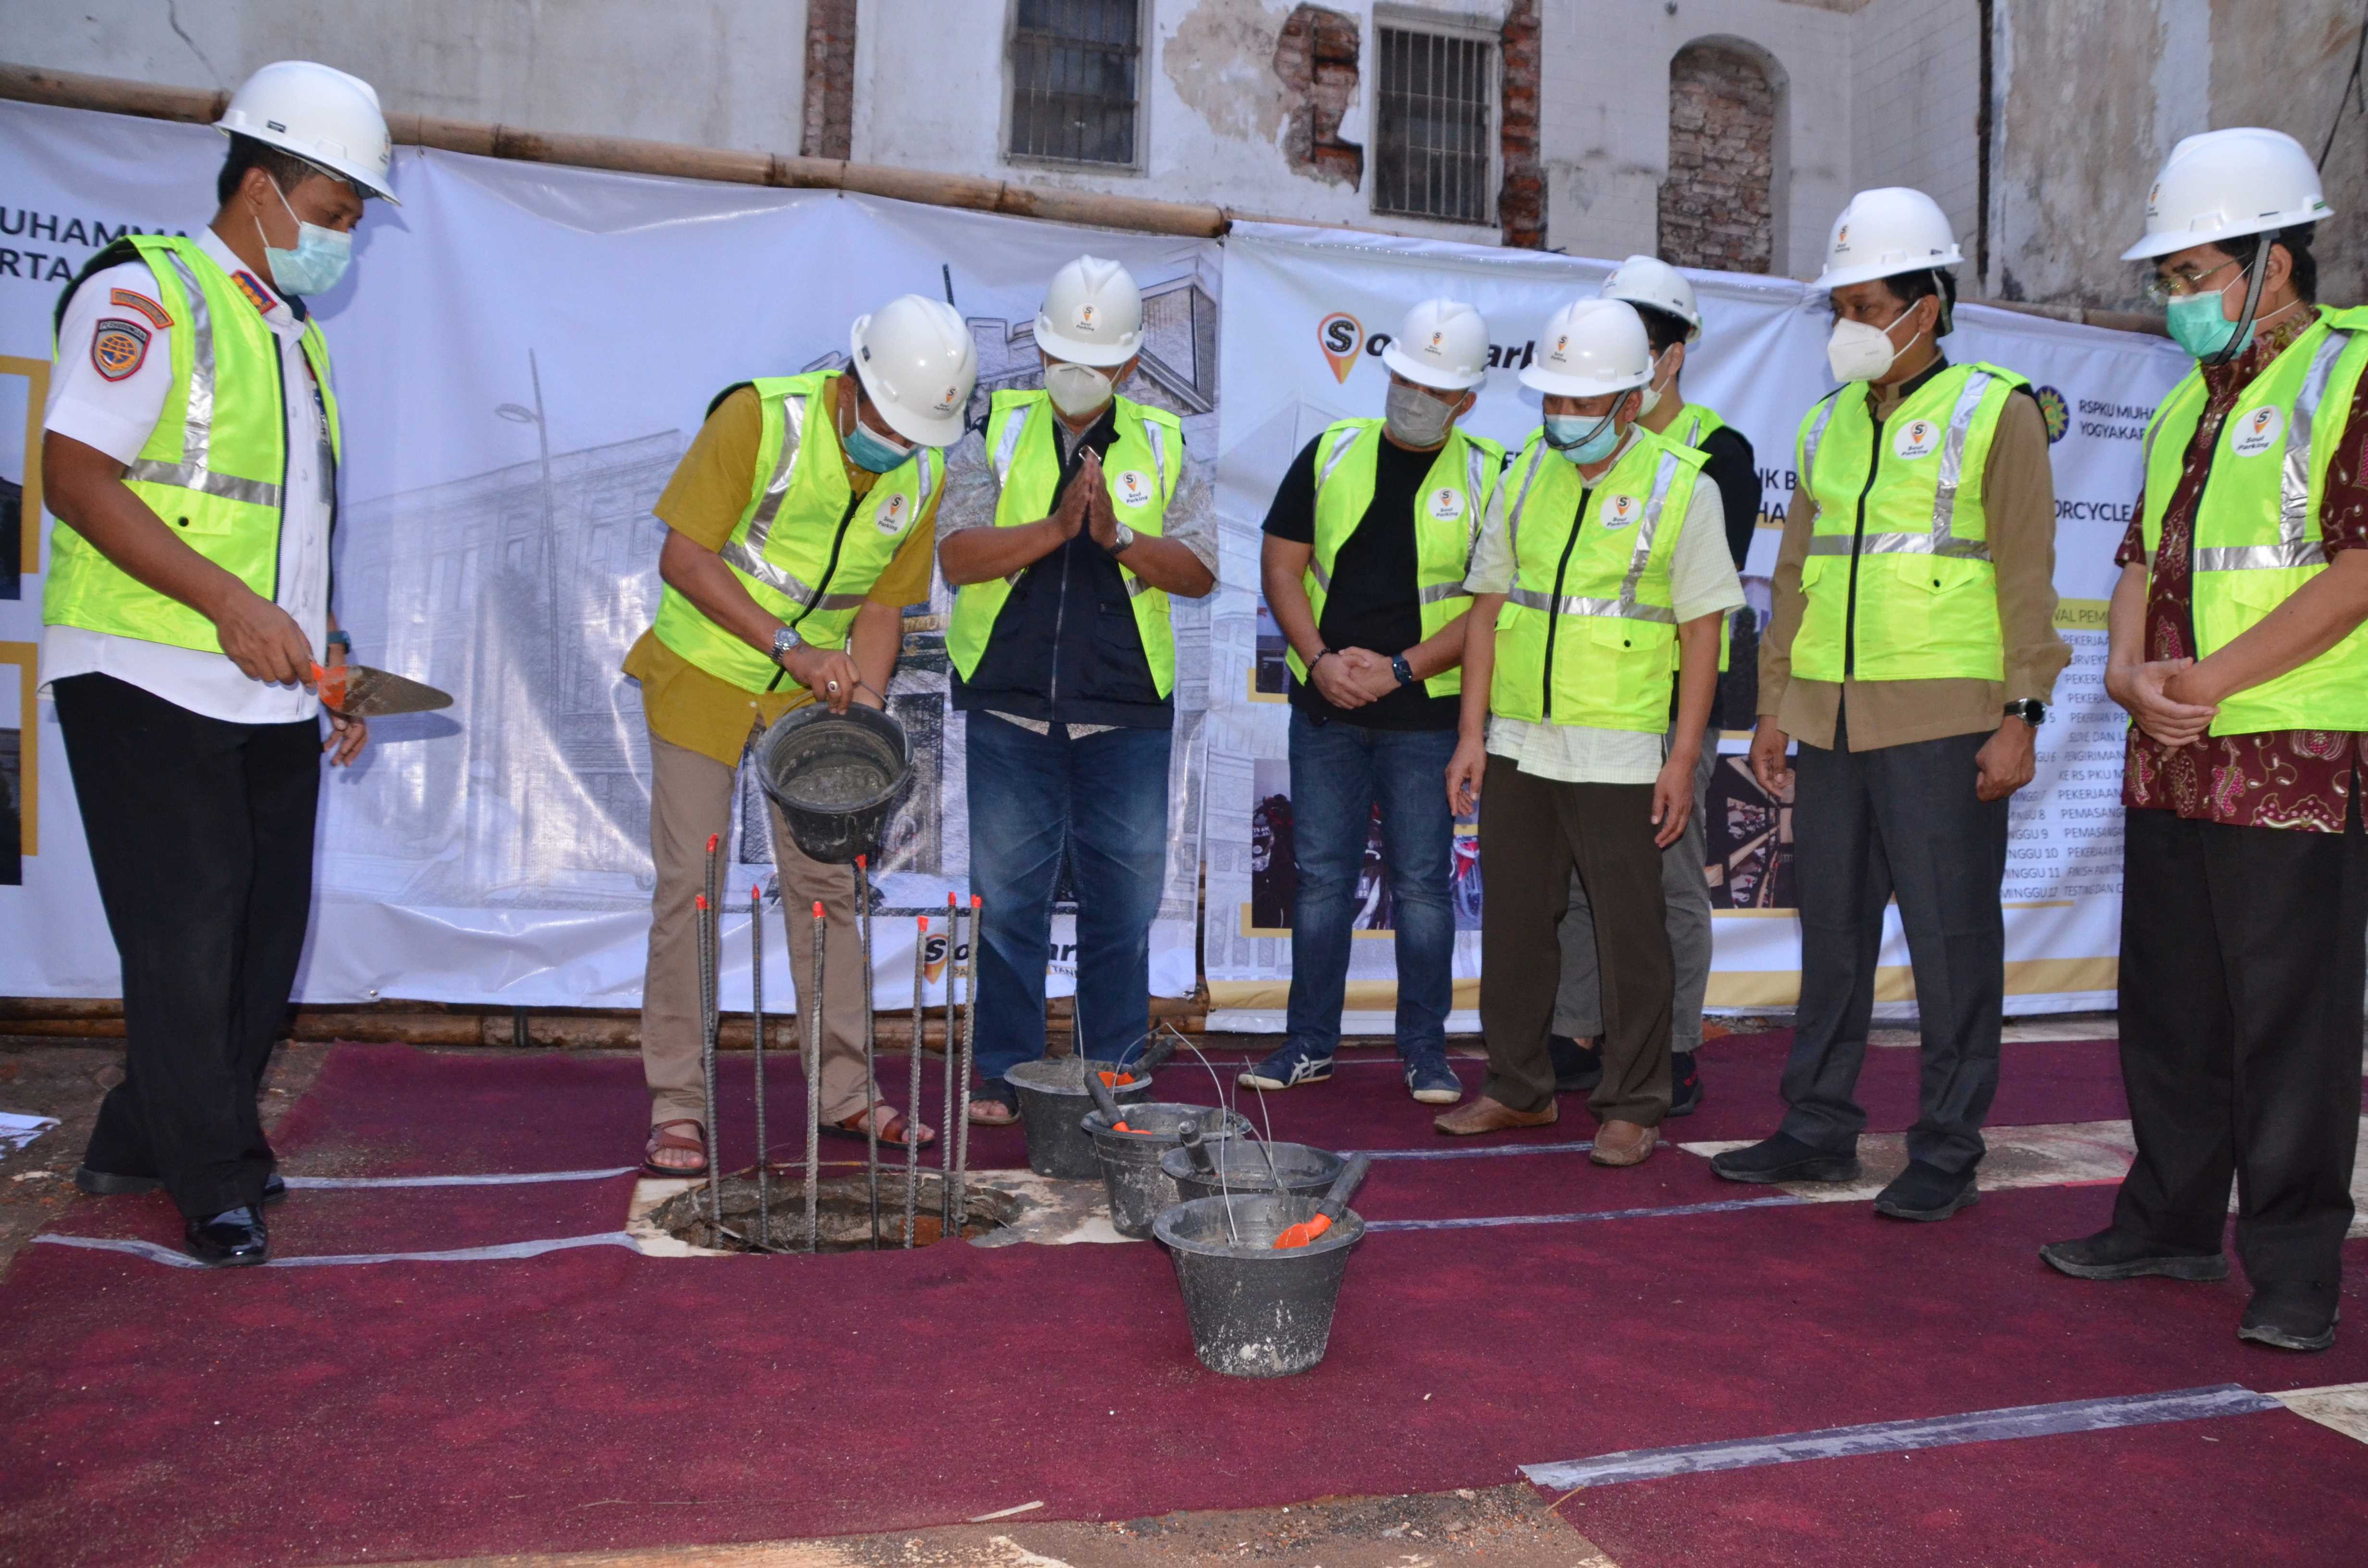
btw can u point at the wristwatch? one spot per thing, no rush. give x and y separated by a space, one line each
785 643
2030 710
1400 668
1122 540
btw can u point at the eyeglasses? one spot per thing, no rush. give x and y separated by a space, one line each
2162 290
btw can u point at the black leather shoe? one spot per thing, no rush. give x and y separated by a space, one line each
1925 1191
236 1238
2116 1255
1576 1068
1784 1158
2291 1317
1685 1084
113 1184
274 1187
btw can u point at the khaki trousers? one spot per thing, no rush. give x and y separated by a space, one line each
690 798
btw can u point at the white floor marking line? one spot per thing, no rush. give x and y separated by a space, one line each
522 1178
1495 1150
498 1252
1893 1437
2342 1406
1726 1206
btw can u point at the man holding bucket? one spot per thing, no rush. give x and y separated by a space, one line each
799 526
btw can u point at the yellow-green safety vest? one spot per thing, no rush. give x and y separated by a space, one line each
1695 423
1447 515
1588 633
2256 524
213 468
1901 531
1141 470
807 548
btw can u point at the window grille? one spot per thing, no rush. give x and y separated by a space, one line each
1436 110
1073 80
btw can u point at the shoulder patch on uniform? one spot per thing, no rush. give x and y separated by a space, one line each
133 299
257 294
118 347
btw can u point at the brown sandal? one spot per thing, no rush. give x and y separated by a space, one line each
660 1138
894 1129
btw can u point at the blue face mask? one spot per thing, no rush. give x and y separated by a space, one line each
867 450
319 259
2198 324
1580 439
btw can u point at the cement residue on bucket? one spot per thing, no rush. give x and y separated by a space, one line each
843 1214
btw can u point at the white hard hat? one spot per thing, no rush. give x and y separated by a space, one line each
1655 285
917 363
319 113
1884 232
2224 183
1590 347
1092 314
1444 344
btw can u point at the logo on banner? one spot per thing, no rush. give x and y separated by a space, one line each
1619 511
1134 488
1340 334
2056 412
2258 431
1447 504
116 347
1916 438
891 512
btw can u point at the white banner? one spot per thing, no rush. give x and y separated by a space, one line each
1307 312
523 352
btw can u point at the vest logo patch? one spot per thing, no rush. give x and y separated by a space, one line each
1916 438
890 517
1445 503
2258 432
1619 511
118 347
1132 488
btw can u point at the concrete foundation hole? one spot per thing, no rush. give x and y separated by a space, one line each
843 1214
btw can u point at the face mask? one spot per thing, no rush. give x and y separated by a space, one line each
1580 440
1415 418
2198 324
1652 398
876 453
1076 390
1860 351
319 259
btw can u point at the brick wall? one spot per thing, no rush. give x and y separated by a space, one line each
1317 57
830 78
1522 200
1715 205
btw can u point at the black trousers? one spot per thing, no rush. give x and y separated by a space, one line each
200 833
2242 968
1871 826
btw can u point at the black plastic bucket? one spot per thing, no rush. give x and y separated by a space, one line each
836 776
1304 1168
1139 1188
1255 1311
1052 1107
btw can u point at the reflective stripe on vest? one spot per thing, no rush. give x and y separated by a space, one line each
2256 526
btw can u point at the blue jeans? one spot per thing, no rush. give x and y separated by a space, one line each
1338 771
1105 800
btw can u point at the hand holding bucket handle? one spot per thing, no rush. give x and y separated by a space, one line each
1330 1207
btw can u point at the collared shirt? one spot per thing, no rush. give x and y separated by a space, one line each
1702 582
115 410
2288 778
2018 512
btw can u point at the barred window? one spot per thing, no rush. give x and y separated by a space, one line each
1437 104
1074 67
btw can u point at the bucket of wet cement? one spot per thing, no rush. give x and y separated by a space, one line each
1052 1107
1255 1311
1139 1186
1241 1166
836 777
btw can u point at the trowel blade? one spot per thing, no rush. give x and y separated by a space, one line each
357 692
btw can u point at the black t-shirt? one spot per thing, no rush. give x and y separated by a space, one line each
1730 466
1374 601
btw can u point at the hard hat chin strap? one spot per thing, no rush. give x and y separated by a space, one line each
2254 270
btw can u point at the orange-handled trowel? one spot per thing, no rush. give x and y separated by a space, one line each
357 692
1330 1207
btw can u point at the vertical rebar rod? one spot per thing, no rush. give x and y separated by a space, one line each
757 1026
913 1074
811 1012
969 1048
957 1094
710 915
871 1083
706 1048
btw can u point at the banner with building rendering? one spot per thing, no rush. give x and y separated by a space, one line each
522 353
1307 313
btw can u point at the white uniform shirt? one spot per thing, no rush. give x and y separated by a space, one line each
103 396
1702 582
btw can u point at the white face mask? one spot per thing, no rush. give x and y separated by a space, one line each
1414 418
1077 389
1652 395
1860 351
